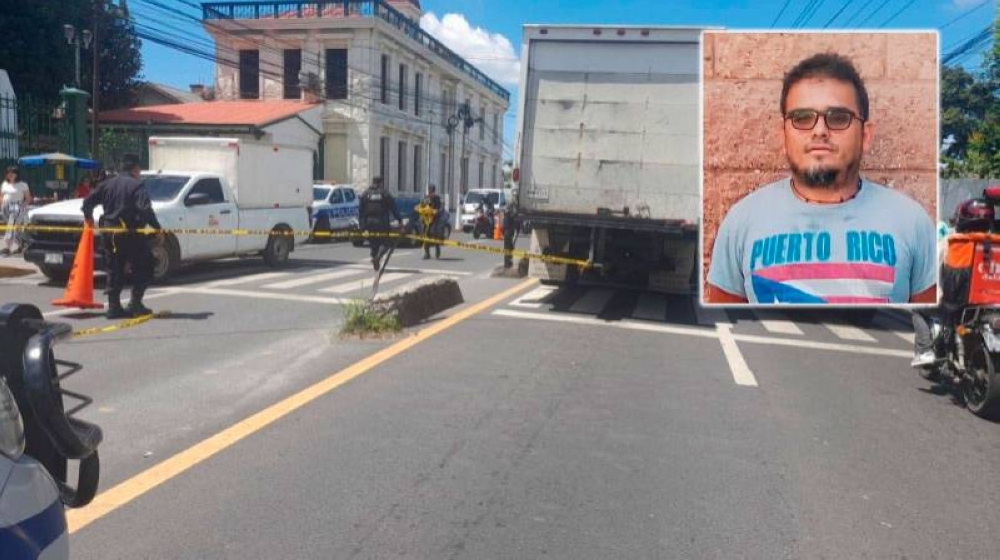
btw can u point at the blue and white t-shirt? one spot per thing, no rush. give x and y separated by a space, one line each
878 247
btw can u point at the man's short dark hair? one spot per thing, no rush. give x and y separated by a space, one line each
130 162
827 65
432 189
377 182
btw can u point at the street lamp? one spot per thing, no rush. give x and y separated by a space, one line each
69 32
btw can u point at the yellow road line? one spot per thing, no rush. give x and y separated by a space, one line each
129 490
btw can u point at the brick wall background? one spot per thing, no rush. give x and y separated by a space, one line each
742 120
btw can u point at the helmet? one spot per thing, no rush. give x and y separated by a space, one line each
975 214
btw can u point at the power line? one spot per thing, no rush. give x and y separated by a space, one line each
871 15
802 13
812 13
899 11
836 15
781 11
967 12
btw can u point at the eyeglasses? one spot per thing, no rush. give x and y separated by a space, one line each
835 119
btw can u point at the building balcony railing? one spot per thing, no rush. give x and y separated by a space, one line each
348 9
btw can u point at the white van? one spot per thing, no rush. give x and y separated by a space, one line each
472 200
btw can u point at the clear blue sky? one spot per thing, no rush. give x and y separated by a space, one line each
505 17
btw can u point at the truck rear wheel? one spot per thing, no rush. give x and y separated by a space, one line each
279 247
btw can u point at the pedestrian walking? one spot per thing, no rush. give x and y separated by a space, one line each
430 219
13 209
126 205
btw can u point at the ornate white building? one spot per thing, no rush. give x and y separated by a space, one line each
389 89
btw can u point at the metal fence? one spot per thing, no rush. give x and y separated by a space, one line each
29 126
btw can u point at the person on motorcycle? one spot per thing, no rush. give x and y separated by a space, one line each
972 218
429 211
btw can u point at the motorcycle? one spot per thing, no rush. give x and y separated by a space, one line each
971 350
483 226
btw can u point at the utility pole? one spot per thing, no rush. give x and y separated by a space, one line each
464 116
95 91
450 127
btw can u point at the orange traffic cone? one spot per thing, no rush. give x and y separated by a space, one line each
498 227
80 288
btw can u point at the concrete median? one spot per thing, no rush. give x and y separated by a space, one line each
415 302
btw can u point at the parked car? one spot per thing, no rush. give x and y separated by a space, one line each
472 200
334 208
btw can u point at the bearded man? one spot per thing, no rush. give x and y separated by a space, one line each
824 235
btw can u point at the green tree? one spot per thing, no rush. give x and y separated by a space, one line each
34 52
983 153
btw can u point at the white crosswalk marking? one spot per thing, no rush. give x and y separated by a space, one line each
536 298
774 322
360 285
849 332
651 307
593 301
313 279
247 279
710 316
893 327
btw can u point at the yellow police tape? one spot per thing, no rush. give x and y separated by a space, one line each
352 234
120 326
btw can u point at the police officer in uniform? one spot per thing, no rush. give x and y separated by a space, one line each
375 208
433 229
126 205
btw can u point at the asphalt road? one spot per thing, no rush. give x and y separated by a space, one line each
581 423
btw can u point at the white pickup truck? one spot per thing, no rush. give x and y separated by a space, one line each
200 183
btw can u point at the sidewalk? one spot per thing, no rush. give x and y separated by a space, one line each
12 266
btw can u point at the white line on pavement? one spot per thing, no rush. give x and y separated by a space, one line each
312 279
651 307
360 285
892 326
246 279
262 295
414 269
709 316
705 333
774 322
741 371
849 332
536 298
593 301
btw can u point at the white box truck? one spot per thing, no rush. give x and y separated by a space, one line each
207 184
607 155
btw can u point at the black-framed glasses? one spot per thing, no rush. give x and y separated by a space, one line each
835 119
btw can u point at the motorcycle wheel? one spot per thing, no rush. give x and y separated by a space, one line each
982 387
476 233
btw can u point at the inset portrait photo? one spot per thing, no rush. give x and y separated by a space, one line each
820 178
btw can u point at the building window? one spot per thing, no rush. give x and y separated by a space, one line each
496 127
482 177
384 87
402 87
293 64
249 75
336 73
383 160
447 105
482 123
418 168
464 175
418 86
401 166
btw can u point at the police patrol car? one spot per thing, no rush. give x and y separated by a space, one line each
334 208
32 520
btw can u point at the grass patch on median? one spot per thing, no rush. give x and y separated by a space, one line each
362 319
